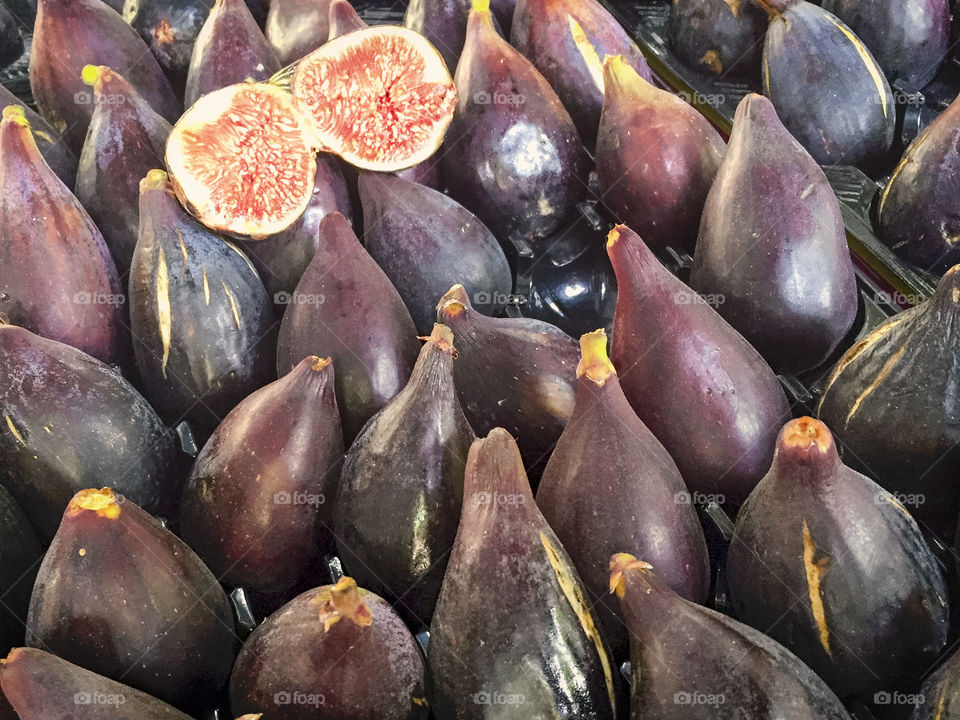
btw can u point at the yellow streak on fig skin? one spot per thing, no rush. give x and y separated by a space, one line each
734 6
164 315
594 362
183 250
587 51
766 77
711 58
815 571
868 61
13 429
897 505
900 166
233 304
940 703
206 287
887 368
421 701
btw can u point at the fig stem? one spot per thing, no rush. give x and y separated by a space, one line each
807 432
318 363
91 74
481 5
594 362
103 502
16 114
343 600
442 337
619 564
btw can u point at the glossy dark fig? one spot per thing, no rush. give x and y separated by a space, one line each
815 529
809 53
343 19
407 222
611 484
125 139
513 629
689 662
443 23
121 595
69 421
57 278
11 44
201 318
345 307
891 403
700 387
54 150
229 49
20 557
297 27
513 156
426 173
567 41
170 29
258 505
514 373
337 651
401 489
782 267
940 694
718 37
656 158
70 34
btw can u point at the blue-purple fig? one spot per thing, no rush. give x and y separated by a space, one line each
170 29
718 37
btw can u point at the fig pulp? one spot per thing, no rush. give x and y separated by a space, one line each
229 49
688 662
54 150
126 138
939 698
20 557
338 651
70 34
514 373
891 402
69 421
297 27
918 214
656 158
343 19
611 484
718 37
170 29
407 222
873 613
514 159
693 380
827 88
402 486
56 275
567 41
121 595
257 506
779 257
513 628
201 318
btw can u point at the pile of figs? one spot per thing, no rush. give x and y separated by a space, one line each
280 437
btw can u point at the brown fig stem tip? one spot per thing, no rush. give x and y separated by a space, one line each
343 600
103 502
442 337
807 432
318 363
16 114
594 362
619 564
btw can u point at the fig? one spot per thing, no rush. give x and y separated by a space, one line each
891 403
95 35
939 698
297 27
656 158
338 651
717 37
443 23
126 138
567 41
343 19
401 489
69 420
201 317
229 49
779 259
918 214
610 483
42 686
693 380
170 29
514 159
688 662
20 557
57 278
809 53
54 150
513 628
257 505
407 222
815 529
514 373
121 595
345 306
909 38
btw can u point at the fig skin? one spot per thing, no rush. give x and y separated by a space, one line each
170 29
940 694
401 489
407 222
297 27
892 405
544 31
779 258
718 37
55 152
809 53
443 23
815 529
20 557
257 506
202 320
513 619
683 654
56 274
693 380
518 166
125 139
340 644
342 18
345 306
70 34
611 484
918 214
656 158
121 595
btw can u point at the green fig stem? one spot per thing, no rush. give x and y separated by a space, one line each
442 337
155 180
594 362
103 502
91 74
16 114
343 600
619 565
481 6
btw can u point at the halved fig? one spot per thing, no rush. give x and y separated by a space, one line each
380 97
241 161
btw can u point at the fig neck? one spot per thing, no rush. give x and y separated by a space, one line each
946 299
312 375
640 592
16 137
495 481
806 452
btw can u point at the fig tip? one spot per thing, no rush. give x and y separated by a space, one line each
155 179
90 74
16 114
807 432
318 363
481 5
614 235
619 564
103 502
594 362
454 301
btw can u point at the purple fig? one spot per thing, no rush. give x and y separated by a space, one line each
51 145
939 698
443 23
170 29
297 27
343 19
718 37
20 556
